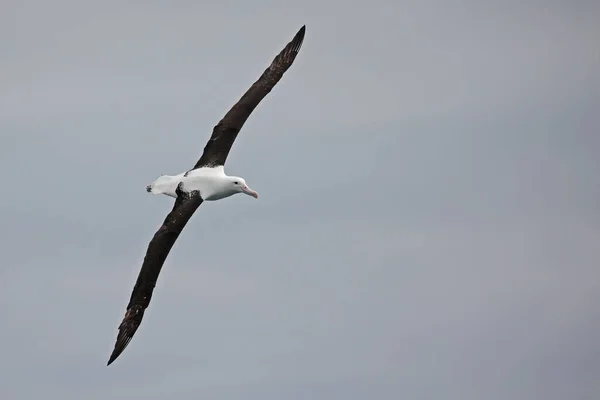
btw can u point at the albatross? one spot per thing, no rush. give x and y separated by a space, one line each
206 181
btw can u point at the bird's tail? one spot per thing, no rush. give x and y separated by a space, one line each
164 184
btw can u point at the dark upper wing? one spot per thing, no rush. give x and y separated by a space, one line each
158 250
225 132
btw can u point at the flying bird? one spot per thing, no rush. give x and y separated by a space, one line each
206 181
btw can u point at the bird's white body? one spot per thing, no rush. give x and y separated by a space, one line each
211 183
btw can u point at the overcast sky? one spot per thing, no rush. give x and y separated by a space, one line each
428 223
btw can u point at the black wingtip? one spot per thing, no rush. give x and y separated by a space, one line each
119 347
123 340
291 50
112 358
131 322
298 39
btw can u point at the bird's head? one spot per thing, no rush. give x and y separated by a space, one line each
238 185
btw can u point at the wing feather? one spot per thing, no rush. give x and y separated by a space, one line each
224 133
156 254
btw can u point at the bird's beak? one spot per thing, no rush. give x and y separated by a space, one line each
249 192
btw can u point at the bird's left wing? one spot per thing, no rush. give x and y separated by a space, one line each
225 132
156 254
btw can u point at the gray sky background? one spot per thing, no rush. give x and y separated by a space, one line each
428 224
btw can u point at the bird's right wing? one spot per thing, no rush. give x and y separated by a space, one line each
224 133
156 254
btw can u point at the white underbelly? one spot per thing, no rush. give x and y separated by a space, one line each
210 187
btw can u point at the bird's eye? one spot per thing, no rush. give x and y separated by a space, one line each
236 183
